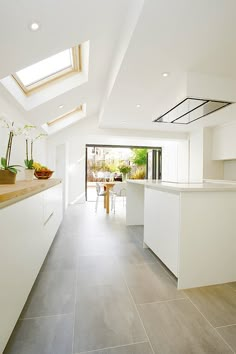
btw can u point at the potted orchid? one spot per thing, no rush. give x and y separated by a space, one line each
29 144
7 171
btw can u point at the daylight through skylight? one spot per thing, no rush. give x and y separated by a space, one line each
45 68
63 64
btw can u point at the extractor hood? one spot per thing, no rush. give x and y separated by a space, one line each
191 109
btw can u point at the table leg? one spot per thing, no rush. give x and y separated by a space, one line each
107 201
104 200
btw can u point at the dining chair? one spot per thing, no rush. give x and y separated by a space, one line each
100 193
118 190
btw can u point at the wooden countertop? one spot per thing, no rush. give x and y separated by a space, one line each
12 193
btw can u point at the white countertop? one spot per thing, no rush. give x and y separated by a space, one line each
186 187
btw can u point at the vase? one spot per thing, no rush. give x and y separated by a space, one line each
29 174
7 177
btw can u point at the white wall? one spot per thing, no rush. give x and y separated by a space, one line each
202 165
230 170
86 131
196 156
11 113
211 169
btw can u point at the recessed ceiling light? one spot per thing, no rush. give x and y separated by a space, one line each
138 105
34 26
61 106
165 74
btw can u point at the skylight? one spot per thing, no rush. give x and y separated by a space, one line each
65 116
48 69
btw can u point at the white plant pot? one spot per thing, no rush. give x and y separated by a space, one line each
29 175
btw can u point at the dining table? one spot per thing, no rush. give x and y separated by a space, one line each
107 186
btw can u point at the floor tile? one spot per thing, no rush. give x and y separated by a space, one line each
52 294
217 303
141 348
98 270
106 317
229 335
150 283
46 335
176 327
62 255
133 254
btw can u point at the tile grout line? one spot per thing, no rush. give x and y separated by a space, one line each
132 300
188 298
44 316
161 302
117 346
230 325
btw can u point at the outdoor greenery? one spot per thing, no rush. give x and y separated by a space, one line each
139 157
124 169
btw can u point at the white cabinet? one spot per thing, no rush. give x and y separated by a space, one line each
27 229
161 226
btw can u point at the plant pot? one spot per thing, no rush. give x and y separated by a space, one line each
29 174
7 177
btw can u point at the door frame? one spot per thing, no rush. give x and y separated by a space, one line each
122 146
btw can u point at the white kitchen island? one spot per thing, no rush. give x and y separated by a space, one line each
190 227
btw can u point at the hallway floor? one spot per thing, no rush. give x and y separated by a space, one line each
100 292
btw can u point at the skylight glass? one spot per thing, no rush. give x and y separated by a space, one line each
65 116
45 68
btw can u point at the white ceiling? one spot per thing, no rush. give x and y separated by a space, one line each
131 44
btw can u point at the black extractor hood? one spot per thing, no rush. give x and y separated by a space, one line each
190 109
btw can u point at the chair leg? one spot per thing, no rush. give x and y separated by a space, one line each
114 204
96 204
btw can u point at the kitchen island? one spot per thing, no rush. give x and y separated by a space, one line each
30 214
191 227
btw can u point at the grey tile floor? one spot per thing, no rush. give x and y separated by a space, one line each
100 292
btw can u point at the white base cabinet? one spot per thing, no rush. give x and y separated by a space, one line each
27 229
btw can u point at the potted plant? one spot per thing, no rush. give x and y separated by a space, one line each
124 169
8 172
29 161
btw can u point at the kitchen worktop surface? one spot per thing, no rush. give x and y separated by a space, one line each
11 193
187 187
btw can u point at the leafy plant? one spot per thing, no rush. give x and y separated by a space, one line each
5 161
30 141
5 166
29 164
139 174
139 156
124 169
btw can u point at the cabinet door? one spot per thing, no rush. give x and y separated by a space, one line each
161 226
21 256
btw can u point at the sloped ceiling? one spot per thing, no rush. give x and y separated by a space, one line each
131 44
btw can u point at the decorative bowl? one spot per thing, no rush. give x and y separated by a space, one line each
43 174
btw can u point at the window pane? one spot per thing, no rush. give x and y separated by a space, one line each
45 68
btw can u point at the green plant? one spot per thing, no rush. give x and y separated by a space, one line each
124 169
29 140
139 174
139 157
5 161
29 164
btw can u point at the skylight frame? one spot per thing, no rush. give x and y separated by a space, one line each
64 116
76 67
